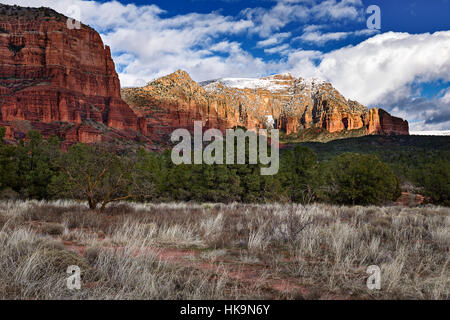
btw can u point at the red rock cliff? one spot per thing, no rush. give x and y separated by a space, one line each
176 101
63 81
392 125
58 80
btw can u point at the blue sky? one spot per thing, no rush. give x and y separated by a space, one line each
404 67
398 15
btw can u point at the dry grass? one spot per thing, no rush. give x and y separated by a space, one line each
215 251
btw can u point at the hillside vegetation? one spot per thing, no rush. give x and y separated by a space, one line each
360 171
422 163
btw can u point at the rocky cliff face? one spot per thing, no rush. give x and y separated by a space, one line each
176 101
282 101
63 81
58 80
392 125
297 104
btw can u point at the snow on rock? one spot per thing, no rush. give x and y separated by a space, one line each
274 83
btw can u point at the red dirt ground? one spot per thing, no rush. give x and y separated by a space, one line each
244 273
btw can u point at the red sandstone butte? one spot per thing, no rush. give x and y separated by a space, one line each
59 81
176 101
63 82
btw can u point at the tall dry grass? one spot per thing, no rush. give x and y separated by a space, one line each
325 249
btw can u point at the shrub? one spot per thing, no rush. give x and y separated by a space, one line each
360 179
9 194
91 255
434 178
54 229
95 174
59 260
298 174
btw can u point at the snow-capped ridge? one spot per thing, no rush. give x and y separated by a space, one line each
274 83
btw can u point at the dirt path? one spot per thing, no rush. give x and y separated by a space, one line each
410 199
247 274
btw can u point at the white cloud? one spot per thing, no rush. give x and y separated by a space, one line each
313 35
273 40
422 127
431 133
446 97
279 49
145 44
313 27
284 12
386 64
335 10
321 38
301 63
380 70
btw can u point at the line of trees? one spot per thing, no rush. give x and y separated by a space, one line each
36 168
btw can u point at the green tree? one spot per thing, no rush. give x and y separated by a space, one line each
434 178
151 174
96 175
298 174
8 165
360 179
36 165
178 185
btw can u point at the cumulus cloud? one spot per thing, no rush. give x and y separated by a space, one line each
273 40
268 21
382 70
313 35
423 114
278 49
147 43
386 64
320 38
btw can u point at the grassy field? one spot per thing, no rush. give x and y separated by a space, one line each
236 251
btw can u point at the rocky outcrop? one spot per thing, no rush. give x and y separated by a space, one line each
176 101
58 80
63 82
298 104
292 104
392 125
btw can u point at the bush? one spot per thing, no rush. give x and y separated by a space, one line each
91 255
299 175
434 178
59 260
360 179
95 174
9 194
54 229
